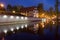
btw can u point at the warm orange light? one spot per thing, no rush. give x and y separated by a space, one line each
47 21
42 14
54 16
42 25
53 22
13 11
2 5
37 25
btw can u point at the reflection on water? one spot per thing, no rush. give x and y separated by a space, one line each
53 22
42 24
33 27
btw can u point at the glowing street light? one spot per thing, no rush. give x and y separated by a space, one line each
11 17
22 17
5 16
44 20
17 17
2 5
26 18
17 27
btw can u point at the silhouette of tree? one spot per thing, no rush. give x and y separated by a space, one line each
15 8
51 11
9 7
40 7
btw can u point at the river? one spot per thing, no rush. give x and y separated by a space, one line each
31 31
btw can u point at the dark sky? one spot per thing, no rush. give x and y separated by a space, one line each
27 3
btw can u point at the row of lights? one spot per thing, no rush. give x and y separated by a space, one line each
17 17
12 29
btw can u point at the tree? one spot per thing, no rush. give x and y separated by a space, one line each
40 7
51 11
15 8
9 7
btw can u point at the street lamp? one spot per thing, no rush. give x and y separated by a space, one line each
2 5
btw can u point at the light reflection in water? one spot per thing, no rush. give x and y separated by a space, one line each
36 26
26 25
53 22
42 24
22 26
12 29
17 27
5 31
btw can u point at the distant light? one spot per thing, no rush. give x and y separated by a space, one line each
12 29
17 27
37 25
43 20
2 5
26 18
53 22
22 26
42 25
5 16
13 11
37 15
5 31
25 25
43 14
11 17
17 17
22 17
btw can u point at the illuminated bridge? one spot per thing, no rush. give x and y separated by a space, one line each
10 18
11 21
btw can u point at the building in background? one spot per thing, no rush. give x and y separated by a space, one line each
29 11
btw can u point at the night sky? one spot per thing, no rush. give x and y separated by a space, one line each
27 3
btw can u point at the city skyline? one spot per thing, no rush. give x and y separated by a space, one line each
26 3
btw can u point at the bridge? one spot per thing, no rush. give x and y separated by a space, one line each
13 19
10 21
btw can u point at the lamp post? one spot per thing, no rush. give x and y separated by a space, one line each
2 9
1 5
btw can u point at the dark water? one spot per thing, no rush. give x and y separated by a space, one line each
33 31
